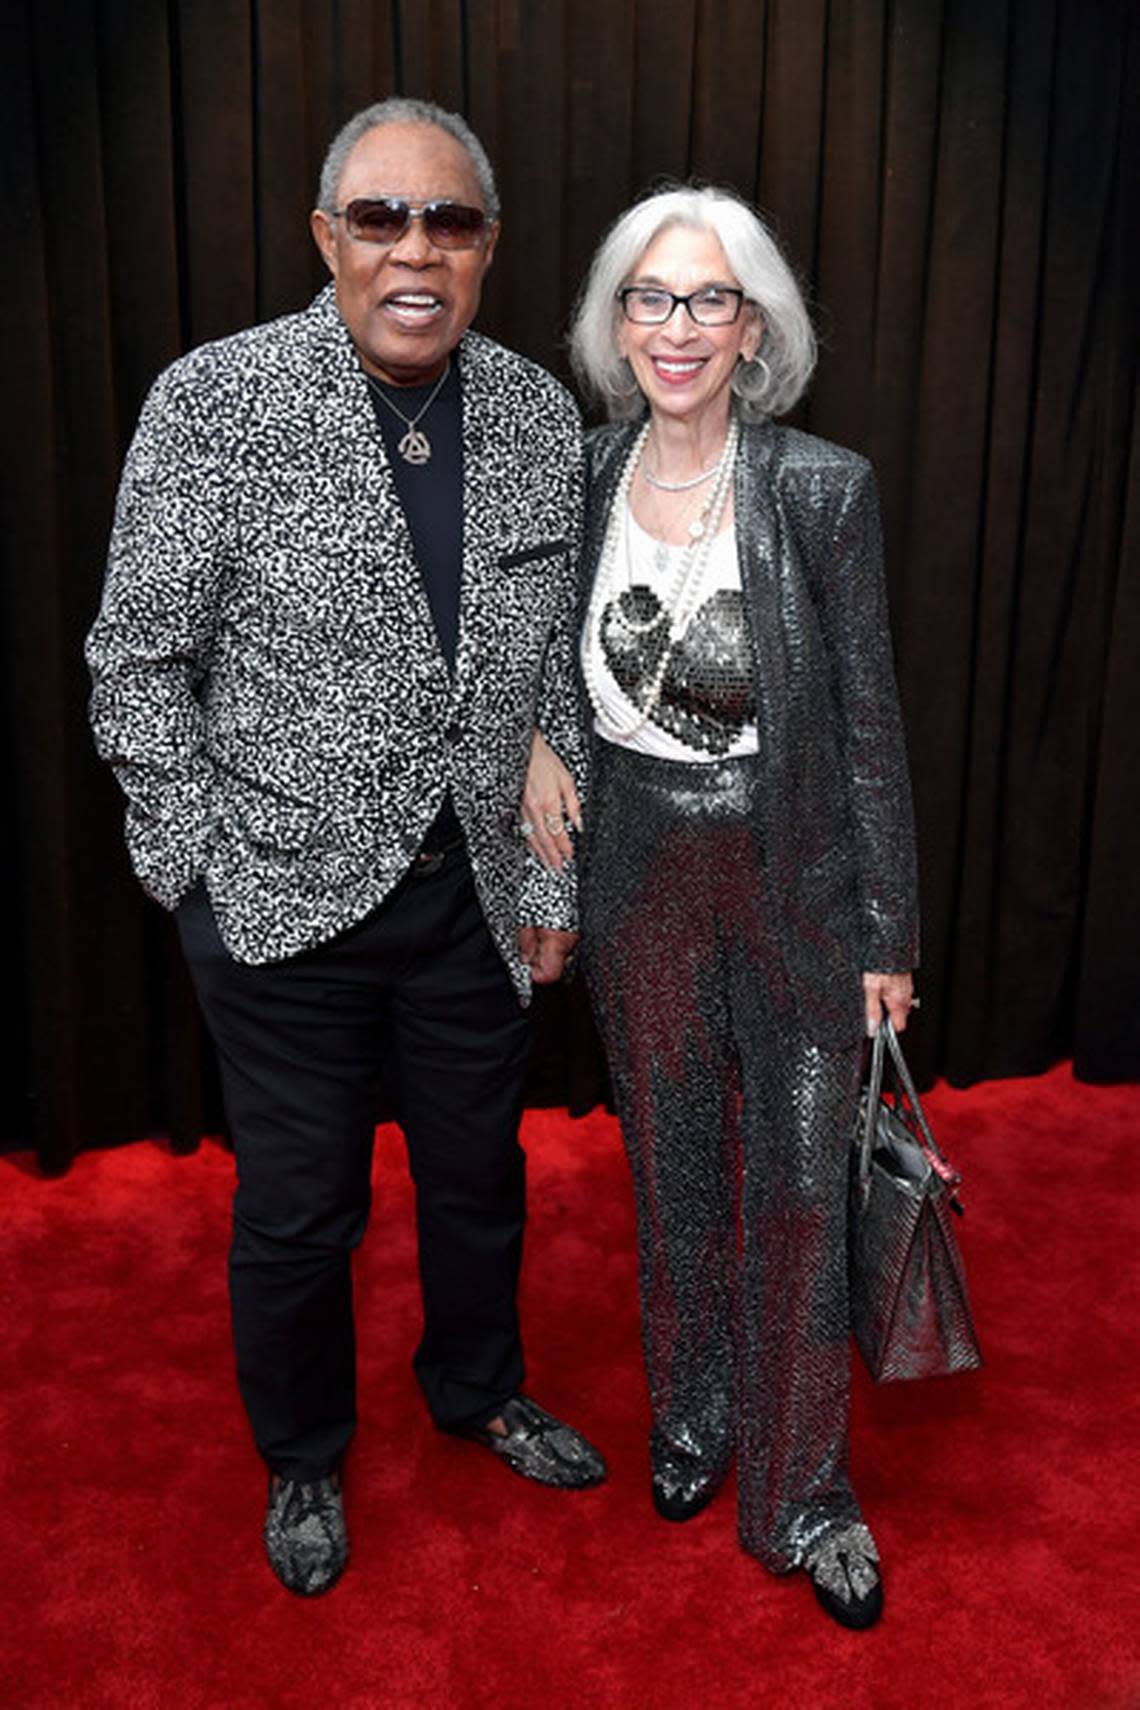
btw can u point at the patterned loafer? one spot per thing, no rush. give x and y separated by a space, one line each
305 1535
844 1572
539 1447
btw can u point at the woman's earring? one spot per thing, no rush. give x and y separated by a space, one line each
746 368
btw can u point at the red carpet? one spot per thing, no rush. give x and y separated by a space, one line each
1006 1503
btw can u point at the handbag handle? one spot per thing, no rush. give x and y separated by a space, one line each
886 1037
874 1094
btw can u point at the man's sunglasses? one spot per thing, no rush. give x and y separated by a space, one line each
385 219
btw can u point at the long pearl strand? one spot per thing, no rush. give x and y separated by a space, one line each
681 601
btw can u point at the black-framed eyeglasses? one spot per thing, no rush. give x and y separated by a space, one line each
385 219
652 305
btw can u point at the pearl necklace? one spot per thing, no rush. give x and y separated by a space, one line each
679 486
680 600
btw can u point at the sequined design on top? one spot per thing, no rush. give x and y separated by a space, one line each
267 680
737 1131
706 696
680 689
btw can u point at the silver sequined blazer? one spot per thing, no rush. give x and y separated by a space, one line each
836 836
267 681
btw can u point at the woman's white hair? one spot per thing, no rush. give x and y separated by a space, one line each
767 386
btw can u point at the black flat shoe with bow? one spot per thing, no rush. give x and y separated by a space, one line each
682 1486
844 1573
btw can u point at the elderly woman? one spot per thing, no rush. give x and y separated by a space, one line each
748 870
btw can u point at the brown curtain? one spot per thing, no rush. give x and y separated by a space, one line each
956 181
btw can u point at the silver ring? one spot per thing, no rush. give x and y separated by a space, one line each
526 829
554 823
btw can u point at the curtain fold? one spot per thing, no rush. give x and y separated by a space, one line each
955 181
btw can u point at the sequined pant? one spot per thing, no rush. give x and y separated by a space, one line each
736 1126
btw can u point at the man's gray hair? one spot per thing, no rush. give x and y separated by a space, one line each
767 387
404 110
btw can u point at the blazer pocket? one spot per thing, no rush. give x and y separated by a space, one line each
262 819
527 555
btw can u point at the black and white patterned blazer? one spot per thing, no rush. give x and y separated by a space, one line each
267 681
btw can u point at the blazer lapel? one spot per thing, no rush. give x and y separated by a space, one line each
607 460
758 555
492 446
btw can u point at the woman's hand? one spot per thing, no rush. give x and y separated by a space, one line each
549 806
892 992
548 953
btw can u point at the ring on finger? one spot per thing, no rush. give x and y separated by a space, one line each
526 829
554 823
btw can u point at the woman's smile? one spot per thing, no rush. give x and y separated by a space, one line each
685 370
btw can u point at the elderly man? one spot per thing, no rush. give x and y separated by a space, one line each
337 607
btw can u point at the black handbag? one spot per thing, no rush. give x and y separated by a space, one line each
910 1313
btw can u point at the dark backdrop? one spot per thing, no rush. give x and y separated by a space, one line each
956 181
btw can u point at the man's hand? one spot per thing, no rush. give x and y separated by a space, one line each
892 992
545 950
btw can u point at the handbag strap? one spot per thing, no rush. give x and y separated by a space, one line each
906 1081
870 1116
886 1038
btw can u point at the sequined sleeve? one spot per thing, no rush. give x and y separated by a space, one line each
851 590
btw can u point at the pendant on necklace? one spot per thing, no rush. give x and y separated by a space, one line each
415 447
697 527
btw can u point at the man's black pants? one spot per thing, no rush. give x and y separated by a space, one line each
416 993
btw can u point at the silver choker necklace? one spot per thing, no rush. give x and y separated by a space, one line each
415 446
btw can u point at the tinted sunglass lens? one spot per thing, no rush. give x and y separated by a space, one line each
376 221
384 220
452 225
